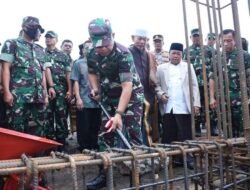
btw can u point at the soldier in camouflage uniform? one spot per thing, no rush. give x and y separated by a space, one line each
59 88
195 59
211 39
228 38
24 83
120 87
161 55
66 47
208 49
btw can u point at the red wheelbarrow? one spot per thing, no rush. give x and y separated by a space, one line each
13 144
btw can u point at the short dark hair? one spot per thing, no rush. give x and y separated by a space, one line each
228 31
65 41
81 46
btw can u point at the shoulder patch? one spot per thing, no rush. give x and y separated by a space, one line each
11 43
121 48
39 46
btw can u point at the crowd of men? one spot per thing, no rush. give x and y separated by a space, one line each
41 87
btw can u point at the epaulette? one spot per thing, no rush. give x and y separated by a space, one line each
121 48
39 46
65 54
12 40
165 53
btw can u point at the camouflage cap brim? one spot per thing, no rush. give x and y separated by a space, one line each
51 34
195 31
211 35
100 41
42 30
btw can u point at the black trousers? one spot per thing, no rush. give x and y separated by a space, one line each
176 127
3 119
88 122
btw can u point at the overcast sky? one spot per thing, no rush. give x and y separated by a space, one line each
70 18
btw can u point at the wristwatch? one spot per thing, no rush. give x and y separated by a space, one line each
52 86
119 112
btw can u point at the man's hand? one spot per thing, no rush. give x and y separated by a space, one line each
114 123
213 103
95 95
117 122
108 125
196 110
79 104
164 98
68 96
52 93
8 98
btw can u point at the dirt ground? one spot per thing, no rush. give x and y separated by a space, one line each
62 179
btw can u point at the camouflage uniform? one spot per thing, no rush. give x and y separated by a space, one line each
114 69
59 63
26 61
209 67
234 89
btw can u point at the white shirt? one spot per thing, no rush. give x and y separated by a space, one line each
176 98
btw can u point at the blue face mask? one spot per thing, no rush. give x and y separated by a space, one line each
32 32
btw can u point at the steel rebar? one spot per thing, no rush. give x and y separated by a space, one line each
242 74
204 72
189 69
219 65
226 81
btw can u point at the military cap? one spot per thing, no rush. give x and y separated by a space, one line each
158 37
211 35
141 33
32 21
100 32
51 34
195 31
176 46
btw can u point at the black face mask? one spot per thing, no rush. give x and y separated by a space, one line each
32 32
